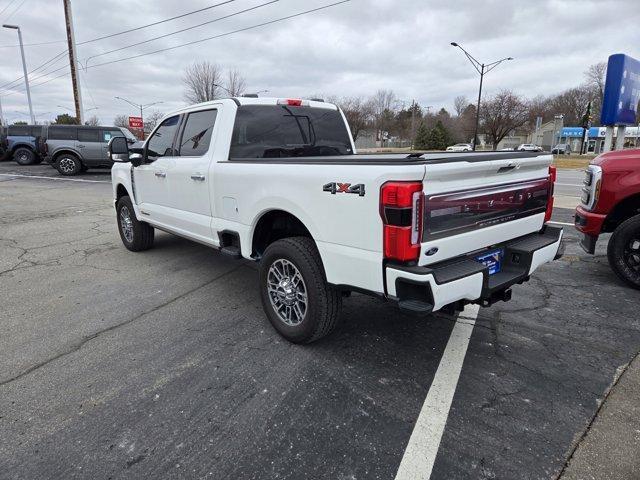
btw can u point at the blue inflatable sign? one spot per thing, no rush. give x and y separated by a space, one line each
621 92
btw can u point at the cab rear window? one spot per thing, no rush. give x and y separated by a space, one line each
280 131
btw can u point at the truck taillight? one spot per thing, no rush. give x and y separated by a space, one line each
552 180
401 205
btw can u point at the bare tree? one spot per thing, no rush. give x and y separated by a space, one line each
93 121
596 76
236 83
359 113
151 120
121 121
572 103
201 81
384 104
503 113
460 103
383 100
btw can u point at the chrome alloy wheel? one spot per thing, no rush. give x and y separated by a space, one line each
287 292
126 225
67 165
23 158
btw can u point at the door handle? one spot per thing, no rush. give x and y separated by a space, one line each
197 177
161 174
80 146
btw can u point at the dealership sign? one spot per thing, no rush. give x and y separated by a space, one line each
621 92
136 122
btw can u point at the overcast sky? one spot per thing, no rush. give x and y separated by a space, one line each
350 49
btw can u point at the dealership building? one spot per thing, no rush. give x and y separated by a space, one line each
596 138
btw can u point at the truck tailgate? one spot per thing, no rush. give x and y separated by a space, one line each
470 206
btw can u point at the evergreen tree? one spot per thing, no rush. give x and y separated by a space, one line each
421 142
438 137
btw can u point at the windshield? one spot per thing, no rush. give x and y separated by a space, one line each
270 131
128 134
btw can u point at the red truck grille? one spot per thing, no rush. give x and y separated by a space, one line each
453 213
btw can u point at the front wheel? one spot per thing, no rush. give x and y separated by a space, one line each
68 164
136 235
623 251
296 297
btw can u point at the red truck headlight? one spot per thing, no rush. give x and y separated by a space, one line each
401 209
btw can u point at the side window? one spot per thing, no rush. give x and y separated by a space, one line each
85 135
161 143
107 135
19 130
36 131
196 136
63 133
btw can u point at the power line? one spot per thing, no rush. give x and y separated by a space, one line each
299 14
156 23
5 8
38 84
193 12
111 35
220 35
182 30
54 59
14 12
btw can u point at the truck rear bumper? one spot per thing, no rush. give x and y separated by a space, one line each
466 280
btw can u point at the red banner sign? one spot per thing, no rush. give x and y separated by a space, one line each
136 122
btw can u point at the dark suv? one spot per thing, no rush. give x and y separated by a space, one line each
23 143
72 149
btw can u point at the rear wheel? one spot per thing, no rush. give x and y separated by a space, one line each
136 235
68 164
296 297
623 251
24 156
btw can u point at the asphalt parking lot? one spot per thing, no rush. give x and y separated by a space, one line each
162 364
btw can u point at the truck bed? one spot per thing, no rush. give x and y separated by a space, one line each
396 158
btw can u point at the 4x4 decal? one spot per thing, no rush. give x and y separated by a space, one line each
336 187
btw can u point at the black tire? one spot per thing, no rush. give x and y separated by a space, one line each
24 156
140 235
68 164
323 302
623 251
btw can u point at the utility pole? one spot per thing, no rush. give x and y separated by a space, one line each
24 69
413 122
73 62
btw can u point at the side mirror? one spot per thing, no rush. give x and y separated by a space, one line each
118 149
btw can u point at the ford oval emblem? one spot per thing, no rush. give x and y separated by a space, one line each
431 251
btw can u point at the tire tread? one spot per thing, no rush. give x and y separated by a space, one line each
329 315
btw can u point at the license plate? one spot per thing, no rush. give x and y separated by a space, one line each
492 260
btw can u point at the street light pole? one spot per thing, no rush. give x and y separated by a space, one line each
475 132
141 107
482 69
24 68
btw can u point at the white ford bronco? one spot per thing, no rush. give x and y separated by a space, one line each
278 181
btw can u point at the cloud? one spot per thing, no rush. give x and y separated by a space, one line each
351 49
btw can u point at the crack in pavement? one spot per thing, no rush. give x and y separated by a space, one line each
78 345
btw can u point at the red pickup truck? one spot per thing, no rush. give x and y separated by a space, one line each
611 203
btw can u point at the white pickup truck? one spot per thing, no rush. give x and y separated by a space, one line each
278 181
